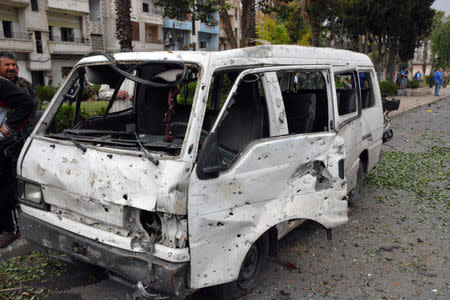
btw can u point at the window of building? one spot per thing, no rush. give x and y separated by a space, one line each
305 100
34 5
202 45
347 92
67 34
145 7
50 33
7 29
135 31
38 38
367 97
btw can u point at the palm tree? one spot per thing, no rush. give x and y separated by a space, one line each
123 24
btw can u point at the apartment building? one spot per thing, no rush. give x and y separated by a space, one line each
50 36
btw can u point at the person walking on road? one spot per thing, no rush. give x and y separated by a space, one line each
403 78
432 73
438 81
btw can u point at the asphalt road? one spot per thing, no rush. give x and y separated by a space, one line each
394 246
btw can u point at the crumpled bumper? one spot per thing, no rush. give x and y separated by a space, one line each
159 275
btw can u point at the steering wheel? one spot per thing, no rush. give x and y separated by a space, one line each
181 125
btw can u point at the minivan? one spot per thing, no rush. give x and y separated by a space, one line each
208 161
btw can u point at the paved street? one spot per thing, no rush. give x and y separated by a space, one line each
394 246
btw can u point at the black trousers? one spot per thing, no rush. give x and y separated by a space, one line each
8 189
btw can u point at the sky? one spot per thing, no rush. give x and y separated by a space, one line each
442 5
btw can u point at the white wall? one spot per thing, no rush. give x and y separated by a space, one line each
57 64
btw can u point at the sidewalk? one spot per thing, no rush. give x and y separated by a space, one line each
410 102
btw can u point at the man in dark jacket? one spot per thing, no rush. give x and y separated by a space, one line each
16 108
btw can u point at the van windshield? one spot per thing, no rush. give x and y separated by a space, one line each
148 107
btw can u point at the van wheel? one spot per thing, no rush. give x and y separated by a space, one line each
355 195
250 273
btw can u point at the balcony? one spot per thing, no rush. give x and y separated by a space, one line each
209 28
78 6
16 41
180 25
75 46
15 3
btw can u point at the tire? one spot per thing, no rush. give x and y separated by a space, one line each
250 273
355 195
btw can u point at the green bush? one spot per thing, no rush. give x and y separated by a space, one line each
412 84
429 80
45 93
64 117
388 89
96 87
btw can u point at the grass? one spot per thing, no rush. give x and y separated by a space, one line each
90 107
19 273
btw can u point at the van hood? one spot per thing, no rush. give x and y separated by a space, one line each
104 175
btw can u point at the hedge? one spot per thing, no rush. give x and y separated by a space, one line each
388 89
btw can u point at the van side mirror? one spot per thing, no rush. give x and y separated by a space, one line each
208 165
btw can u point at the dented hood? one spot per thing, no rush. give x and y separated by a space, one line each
120 177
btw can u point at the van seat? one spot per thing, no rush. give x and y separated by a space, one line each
300 112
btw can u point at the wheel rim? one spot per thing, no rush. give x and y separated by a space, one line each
250 267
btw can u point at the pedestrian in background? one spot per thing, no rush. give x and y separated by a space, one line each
446 77
438 81
403 79
50 80
432 73
418 76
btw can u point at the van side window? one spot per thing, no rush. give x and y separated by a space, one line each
305 100
367 97
246 117
347 92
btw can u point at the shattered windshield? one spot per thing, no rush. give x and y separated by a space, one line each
146 108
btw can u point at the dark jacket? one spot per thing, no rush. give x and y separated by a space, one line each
14 98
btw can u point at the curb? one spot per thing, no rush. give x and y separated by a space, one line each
397 113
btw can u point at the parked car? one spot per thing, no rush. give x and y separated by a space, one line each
219 156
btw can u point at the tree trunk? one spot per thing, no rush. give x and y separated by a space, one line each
123 24
392 61
225 19
251 33
425 57
315 32
244 22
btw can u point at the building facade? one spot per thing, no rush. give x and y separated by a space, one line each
235 14
50 36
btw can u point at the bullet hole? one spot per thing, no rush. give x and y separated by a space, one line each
238 235
230 213
299 190
190 148
52 146
188 170
106 209
237 246
220 224
110 156
240 193
247 203
125 197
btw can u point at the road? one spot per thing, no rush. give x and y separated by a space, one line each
394 246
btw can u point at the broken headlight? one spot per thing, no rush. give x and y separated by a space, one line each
32 192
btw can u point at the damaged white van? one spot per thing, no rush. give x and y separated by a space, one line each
216 156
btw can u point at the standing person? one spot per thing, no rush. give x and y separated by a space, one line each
438 81
446 77
16 108
403 79
432 73
418 76
50 80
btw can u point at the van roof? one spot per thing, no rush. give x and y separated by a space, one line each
259 55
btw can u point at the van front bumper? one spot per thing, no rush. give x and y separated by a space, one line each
159 275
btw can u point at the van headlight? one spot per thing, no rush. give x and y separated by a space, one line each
32 193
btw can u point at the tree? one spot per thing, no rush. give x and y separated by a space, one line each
440 44
269 30
123 24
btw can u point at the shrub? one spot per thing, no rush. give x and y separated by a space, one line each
96 87
412 84
388 89
429 80
45 93
64 117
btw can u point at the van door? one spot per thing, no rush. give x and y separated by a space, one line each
348 118
252 174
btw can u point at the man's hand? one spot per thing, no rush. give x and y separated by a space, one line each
122 94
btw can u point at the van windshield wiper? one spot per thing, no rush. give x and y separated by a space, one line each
149 157
77 143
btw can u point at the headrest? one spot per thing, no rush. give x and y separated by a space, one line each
169 75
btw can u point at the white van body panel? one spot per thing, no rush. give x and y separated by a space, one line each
272 182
